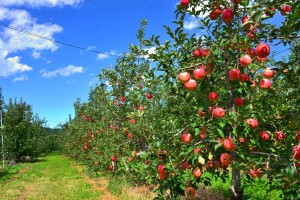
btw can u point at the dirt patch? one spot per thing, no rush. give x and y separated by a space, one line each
19 174
99 185
28 189
139 192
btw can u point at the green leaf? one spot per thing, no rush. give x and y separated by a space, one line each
222 124
220 132
218 146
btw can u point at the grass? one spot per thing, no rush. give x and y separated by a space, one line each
53 178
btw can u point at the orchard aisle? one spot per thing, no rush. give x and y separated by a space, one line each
54 177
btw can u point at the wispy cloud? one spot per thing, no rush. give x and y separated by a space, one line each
191 23
20 78
102 56
66 71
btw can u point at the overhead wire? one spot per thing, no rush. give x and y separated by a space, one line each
53 40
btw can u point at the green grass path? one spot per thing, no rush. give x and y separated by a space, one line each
52 177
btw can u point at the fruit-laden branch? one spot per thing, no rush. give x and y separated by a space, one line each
179 132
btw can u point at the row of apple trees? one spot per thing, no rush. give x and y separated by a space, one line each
210 103
24 132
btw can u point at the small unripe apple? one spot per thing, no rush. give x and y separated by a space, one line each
262 50
227 16
197 173
252 122
269 73
213 96
191 85
199 73
184 77
265 84
234 74
186 137
245 60
264 135
238 101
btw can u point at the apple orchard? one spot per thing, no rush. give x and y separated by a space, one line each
211 103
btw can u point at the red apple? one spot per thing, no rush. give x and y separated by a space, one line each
264 135
86 118
225 159
245 60
236 1
261 60
251 52
205 52
184 3
184 77
197 173
268 13
203 132
244 78
252 122
149 96
255 173
269 73
147 162
234 74
215 14
262 50
265 84
130 136
199 73
228 144
186 137
279 135
227 16
190 85
238 101
161 167
213 96
190 192
140 86
202 113
111 167
132 121
197 53
114 158
122 99
130 159
218 112
285 9
141 108
244 19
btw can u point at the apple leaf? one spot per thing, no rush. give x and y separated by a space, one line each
201 160
210 156
218 146
197 131
220 132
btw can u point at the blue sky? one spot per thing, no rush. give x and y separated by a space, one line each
50 76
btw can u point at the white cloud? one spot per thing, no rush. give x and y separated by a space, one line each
36 54
11 65
200 7
66 71
40 3
102 56
20 78
191 23
12 41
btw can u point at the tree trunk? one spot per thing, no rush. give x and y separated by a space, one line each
12 162
235 187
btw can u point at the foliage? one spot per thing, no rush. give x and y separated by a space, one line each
120 119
